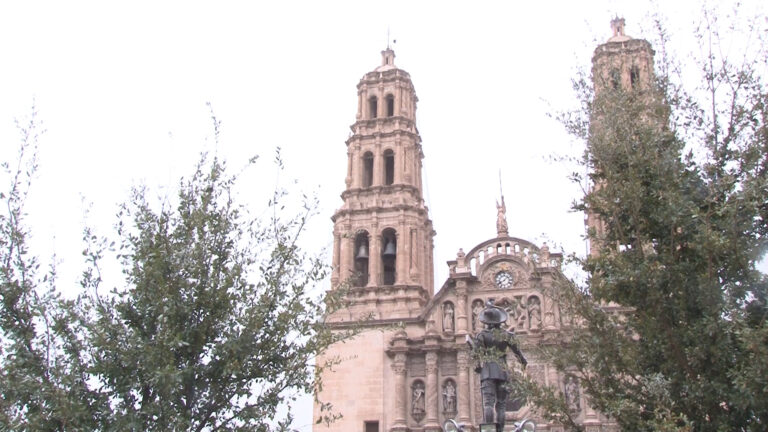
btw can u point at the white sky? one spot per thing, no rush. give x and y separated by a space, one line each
122 89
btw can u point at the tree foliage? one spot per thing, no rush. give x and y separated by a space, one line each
672 328
216 327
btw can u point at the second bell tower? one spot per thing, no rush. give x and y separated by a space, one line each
382 232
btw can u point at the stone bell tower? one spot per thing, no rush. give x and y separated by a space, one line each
382 232
621 65
382 252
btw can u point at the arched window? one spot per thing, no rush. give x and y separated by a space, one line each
389 167
615 79
634 77
367 169
388 256
373 106
362 252
390 105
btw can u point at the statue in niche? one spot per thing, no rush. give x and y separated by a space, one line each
417 402
448 324
534 312
549 313
477 307
449 397
572 397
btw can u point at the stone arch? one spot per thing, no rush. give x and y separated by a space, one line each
388 256
361 259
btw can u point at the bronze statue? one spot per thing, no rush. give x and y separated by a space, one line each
491 345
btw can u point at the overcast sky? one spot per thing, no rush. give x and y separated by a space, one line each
122 87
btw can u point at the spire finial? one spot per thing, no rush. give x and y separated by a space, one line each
388 55
617 25
501 219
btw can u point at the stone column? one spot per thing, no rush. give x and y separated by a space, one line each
461 307
337 239
346 256
401 398
374 258
360 102
462 393
379 170
400 259
399 161
432 391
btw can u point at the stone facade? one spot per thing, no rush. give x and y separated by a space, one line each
410 369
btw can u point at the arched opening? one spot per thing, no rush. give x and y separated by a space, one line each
362 255
389 167
388 256
634 76
367 169
615 79
390 105
373 107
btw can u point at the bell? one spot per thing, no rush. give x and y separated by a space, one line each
389 250
362 252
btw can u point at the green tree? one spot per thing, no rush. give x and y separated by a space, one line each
42 370
217 326
672 330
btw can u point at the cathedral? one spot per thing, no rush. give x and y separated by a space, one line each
410 369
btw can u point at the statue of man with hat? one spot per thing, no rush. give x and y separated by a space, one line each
491 345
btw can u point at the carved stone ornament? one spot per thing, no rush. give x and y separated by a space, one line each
516 308
505 275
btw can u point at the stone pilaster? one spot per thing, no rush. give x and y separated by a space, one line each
374 258
401 398
461 307
431 423
462 392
